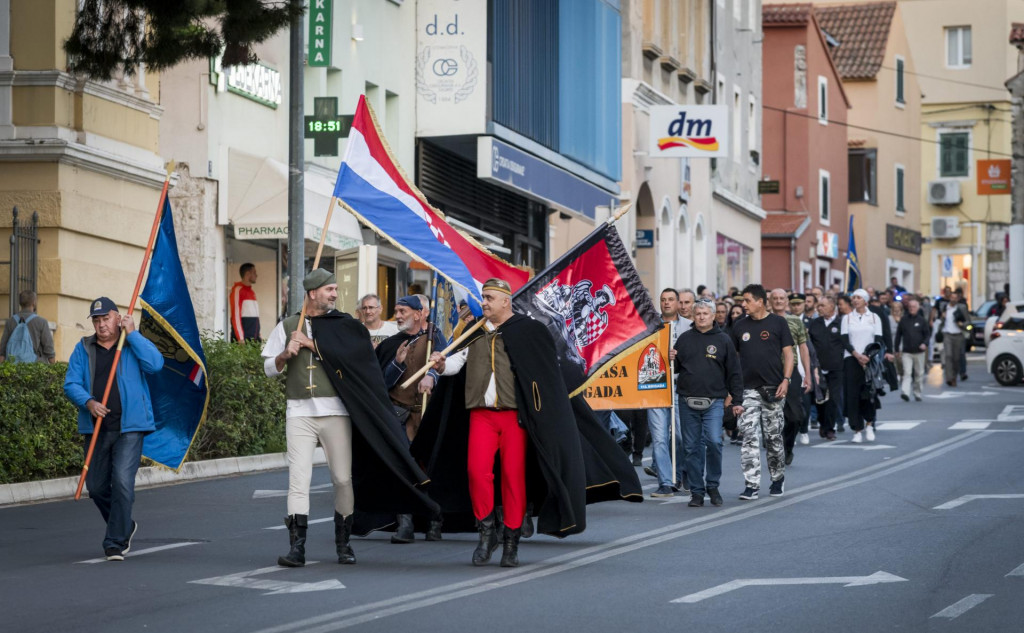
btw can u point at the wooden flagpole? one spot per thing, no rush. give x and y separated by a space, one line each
316 263
120 340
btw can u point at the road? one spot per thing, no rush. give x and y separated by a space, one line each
920 531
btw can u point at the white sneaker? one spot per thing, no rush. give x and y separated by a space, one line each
857 438
804 438
869 432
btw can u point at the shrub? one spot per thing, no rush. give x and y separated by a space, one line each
38 425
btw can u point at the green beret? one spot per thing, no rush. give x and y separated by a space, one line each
318 278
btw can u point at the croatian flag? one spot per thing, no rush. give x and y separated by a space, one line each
374 189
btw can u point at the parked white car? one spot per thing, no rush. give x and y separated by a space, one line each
1004 355
993 323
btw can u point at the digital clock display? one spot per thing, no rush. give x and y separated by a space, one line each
330 125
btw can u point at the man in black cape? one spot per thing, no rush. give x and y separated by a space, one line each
569 459
336 395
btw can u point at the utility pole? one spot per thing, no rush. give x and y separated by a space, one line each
1015 248
296 216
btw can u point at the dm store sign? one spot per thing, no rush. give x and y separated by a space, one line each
689 131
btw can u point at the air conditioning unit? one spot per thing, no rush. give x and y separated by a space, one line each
945 228
944 192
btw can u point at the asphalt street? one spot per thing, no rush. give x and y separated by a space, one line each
919 531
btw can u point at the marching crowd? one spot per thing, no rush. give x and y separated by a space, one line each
767 367
502 444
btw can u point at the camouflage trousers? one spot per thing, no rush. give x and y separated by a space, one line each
761 418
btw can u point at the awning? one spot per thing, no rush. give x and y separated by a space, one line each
258 203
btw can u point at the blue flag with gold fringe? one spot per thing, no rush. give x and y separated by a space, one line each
853 280
179 392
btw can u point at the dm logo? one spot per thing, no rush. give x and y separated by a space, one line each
689 132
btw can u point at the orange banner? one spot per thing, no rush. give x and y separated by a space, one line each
636 380
994 177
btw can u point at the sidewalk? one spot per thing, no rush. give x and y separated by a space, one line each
149 477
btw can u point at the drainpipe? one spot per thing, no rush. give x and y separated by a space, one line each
792 263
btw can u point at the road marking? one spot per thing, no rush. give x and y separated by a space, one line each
373 611
962 606
946 395
285 527
246 580
1012 413
270 494
899 426
959 501
877 578
848 444
141 552
970 425
1016 572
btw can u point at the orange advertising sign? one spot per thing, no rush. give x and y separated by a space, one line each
638 379
993 177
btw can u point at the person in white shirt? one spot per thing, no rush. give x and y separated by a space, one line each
860 328
314 414
954 318
370 316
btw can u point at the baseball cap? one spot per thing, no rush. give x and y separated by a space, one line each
102 306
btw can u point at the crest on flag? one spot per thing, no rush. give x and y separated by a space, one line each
578 311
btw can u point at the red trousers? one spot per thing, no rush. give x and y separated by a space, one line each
490 432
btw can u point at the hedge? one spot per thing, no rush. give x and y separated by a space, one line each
39 434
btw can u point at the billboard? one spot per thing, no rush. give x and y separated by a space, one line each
689 131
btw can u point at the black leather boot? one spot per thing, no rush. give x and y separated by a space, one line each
434 531
296 557
510 553
499 523
342 534
404 532
528 521
488 540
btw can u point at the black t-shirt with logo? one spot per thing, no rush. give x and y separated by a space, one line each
104 363
760 343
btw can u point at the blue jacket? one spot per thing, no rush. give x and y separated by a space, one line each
138 355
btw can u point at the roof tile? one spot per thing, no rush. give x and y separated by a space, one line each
785 14
782 224
862 31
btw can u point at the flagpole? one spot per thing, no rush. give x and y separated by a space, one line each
316 261
120 340
430 331
672 396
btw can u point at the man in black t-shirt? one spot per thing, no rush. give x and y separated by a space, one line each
765 347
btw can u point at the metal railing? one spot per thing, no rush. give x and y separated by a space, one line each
24 257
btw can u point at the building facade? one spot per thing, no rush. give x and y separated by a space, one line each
82 154
803 239
666 60
962 60
736 214
879 76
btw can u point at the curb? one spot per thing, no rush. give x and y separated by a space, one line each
150 477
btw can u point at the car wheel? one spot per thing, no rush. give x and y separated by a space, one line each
1007 370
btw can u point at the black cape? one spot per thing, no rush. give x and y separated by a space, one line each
571 459
386 479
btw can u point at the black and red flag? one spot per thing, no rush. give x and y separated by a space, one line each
592 301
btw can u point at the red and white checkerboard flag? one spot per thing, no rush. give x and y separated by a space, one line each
593 303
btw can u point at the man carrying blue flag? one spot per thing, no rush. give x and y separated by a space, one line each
127 416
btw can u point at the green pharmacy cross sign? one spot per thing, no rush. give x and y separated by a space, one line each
326 126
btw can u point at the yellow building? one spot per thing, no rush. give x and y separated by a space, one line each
83 155
962 60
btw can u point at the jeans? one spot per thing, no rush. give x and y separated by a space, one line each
111 482
702 436
661 451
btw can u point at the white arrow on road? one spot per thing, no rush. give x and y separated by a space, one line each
959 501
272 587
879 577
848 444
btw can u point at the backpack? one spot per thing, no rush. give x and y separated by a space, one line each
19 347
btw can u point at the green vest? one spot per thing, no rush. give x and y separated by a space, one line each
487 356
304 374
